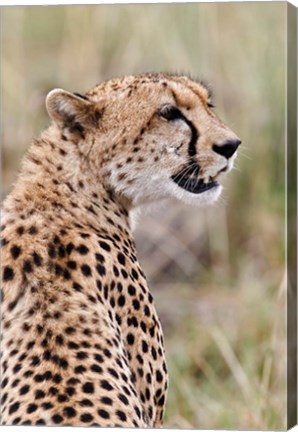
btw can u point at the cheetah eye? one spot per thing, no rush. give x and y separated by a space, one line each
170 113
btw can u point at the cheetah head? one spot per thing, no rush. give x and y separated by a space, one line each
150 137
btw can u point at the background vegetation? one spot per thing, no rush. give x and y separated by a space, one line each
218 273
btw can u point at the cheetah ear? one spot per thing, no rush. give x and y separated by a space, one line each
72 110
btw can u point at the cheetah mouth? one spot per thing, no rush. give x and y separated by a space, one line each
194 185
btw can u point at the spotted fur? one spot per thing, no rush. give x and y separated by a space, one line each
81 341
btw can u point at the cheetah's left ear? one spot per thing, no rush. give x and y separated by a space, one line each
72 110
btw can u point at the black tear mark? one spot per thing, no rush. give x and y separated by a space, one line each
173 113
194 137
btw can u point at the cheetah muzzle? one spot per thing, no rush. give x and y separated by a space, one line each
82 344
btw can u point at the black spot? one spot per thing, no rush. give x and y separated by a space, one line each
40 422
20 230
69 412
61 251
86 270
4 383
51 251
121 258
121 300
123 399
124 273
146 310
101 269
72 381
62 398
106 400
17 367
57 378
31 408
32 230
116 271
79 369
3 398
73 345
151 331
134 274
24 389
14 407
112 302
99 257
8 274
47 375
58 270
77 286
70 391
136 304
72 265
57 239
59 340
39 394
27 266
106 385
121 415
98 358
103 414
70 330
82 249
113 373
57 418
86 402
144 346
35 361
88 387
3 242
47 405
130 339
137 411
15 383
37 259
131 290
159 376
161 401
15 251
104 246
82 355
84 235
63 363
153 352
69 248
96 368
86 418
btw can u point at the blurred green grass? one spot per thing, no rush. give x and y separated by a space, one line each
217 274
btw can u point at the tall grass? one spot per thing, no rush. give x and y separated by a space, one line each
218 273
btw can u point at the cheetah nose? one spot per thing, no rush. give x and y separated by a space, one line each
228 148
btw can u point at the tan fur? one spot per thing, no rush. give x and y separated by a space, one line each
81 342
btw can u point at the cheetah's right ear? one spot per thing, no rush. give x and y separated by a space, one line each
71 110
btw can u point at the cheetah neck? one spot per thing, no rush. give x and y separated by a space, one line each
57 175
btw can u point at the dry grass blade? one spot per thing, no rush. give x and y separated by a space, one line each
235 367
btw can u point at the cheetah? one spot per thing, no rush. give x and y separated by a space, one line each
82 344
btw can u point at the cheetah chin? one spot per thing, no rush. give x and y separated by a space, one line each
199 196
